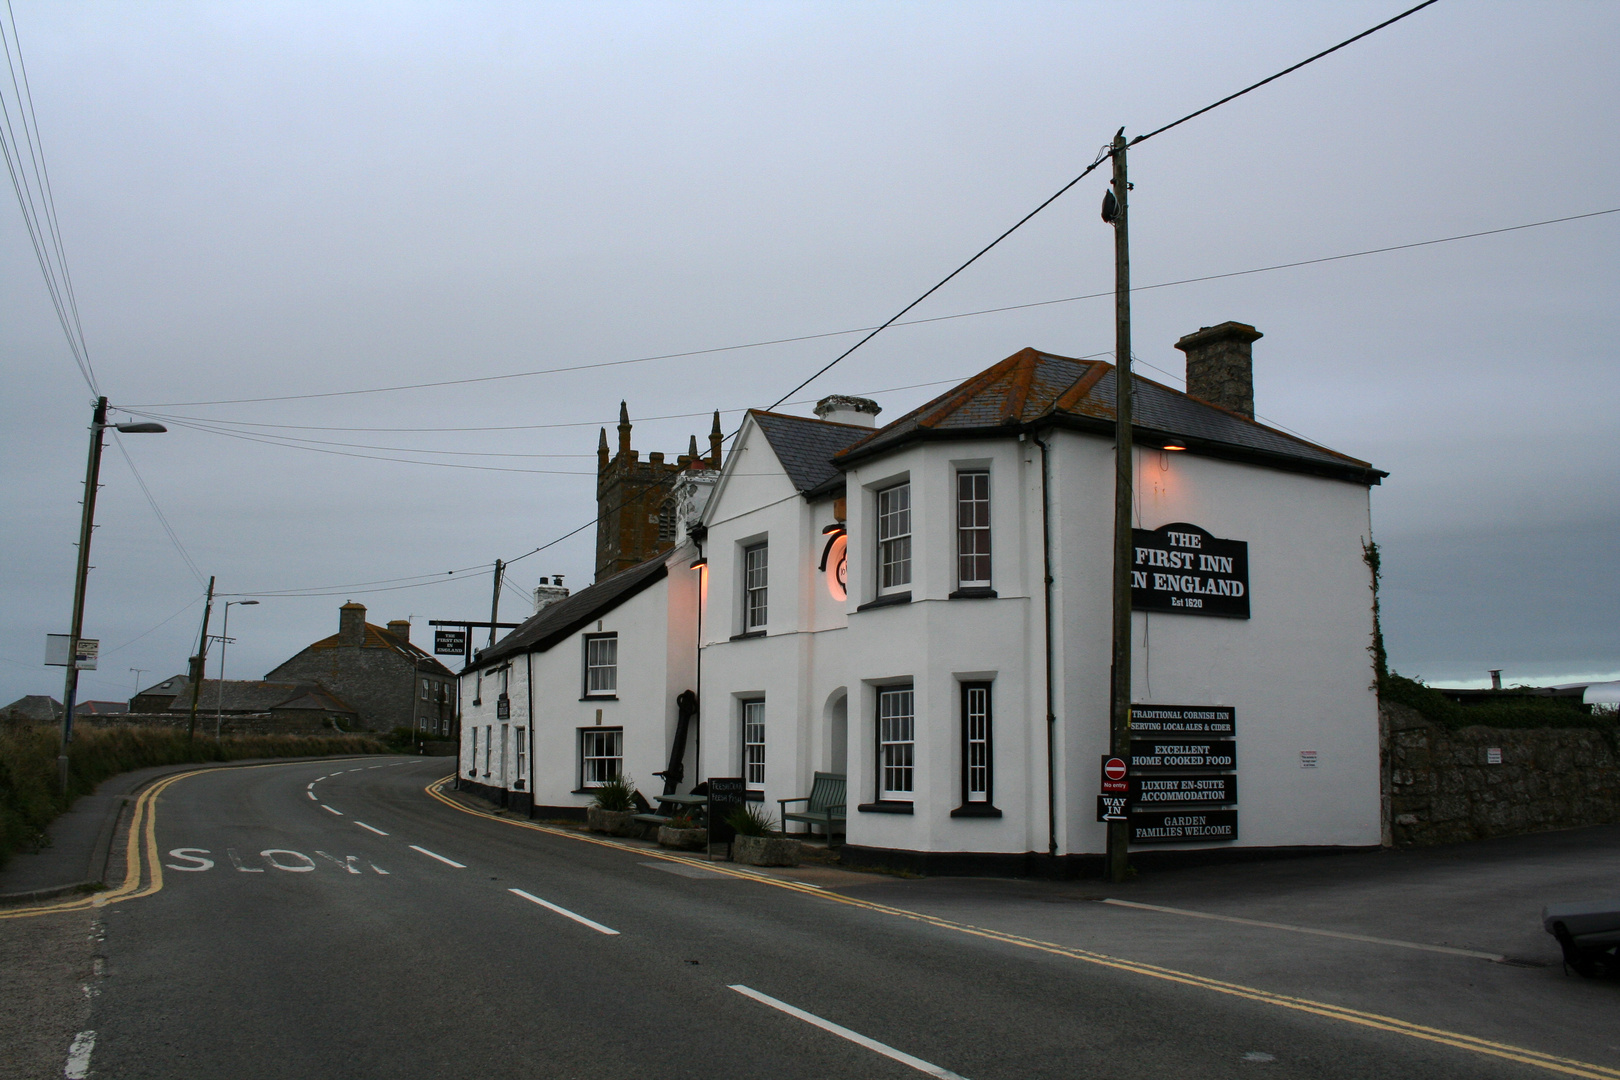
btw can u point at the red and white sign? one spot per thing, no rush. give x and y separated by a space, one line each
1114 772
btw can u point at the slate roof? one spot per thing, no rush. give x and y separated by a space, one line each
33 707
171 685
557 621
805 447
1033 389
378 638
254 696
101 708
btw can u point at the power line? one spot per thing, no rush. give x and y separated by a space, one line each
156 509
443 574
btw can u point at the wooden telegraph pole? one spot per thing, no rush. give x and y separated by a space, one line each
198 662
495 601
1119 712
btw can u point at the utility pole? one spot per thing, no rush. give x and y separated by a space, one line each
495 600
139 671
197 663
1119 706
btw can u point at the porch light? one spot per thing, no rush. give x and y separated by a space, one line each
1173 446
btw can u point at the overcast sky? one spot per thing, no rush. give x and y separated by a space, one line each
265 200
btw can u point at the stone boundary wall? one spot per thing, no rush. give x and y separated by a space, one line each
1439 787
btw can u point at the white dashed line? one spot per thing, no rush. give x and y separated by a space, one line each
441 858
565 913
379 869
339 813
78 1059
369 828
844 1033
311 794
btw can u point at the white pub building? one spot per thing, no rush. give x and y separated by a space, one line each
924 609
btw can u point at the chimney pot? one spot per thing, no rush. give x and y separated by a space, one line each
843 409
352 624
400 628
1220 365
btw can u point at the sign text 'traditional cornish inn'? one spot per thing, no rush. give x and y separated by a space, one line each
1181 568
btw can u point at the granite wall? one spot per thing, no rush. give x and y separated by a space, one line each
1443 785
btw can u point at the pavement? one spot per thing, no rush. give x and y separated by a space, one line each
79 843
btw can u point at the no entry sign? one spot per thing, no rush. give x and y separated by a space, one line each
1115 774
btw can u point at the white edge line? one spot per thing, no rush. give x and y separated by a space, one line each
1448 950
312 795
565 913
844 1033
78 1059
339 813
441 858
371 828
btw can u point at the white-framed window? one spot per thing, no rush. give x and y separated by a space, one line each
601 755
506 741
973 529
756 578
489 745
976 742
425 685
894 537
753 740
474 750
601 665
897 745
522 753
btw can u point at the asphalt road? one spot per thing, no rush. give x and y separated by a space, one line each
334 920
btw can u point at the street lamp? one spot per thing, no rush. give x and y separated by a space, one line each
87 522
224 640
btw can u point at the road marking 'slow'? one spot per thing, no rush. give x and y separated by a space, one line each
564 912
1447 949
844 1033
441 858
78 1059
328 809
363 825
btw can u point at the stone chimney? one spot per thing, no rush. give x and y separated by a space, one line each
400 628
352 624
548 592
1220 365
841 409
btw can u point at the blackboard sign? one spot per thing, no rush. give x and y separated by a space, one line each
726 793
1182 826
450 642
1181 568
1170 755
1148 792
1198 721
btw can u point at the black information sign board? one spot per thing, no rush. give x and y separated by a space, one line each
450 642
1149 792
1182 826
503 709
1183 569
1111 808
1170 755
726 793
1197 721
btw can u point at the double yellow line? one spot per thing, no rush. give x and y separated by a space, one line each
1344 1014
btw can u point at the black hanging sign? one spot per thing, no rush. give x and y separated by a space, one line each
1197 721
450 642
1182 826
1173 755
726 793
1183 569
1154 791
503 708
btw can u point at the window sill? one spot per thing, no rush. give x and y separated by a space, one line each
973 592
749 634
585 791
886 601
600 697
884 806
976 809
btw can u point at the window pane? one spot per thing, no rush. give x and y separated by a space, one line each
976 723
973 528
754 744
894 536
896 742
601 664
601 755
755 580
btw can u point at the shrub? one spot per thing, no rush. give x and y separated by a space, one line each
1508 713
618 794
683 820
752 819
30 791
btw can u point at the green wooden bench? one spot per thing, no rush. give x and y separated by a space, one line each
825 804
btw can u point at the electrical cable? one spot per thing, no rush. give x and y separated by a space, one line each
156 509
194 602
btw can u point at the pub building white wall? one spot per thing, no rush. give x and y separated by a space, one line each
1297 671
657 660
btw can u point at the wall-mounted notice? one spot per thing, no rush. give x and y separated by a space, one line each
1199 721
1184 790
1182 826
1181 568
1307 759
1166 755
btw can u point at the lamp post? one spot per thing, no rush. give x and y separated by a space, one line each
87 524
224 640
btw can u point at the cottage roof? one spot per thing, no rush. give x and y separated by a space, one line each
378 638
170 686
315 698
1034 389
33 707
806 446
252 696
557 621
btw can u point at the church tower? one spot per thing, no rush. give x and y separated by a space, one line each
635 505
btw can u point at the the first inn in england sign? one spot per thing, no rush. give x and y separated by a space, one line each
1181 568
